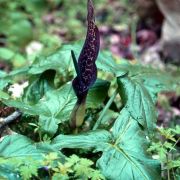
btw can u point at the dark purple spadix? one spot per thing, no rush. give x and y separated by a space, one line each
85 67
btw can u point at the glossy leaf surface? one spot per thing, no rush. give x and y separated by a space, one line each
126 156
123 151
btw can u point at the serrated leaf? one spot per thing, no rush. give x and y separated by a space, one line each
15 149
138 102
28 171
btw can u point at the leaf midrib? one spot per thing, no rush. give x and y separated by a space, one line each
115 146
129 159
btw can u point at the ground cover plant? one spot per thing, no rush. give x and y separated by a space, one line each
71 122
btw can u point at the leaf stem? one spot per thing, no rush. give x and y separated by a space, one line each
168 171
98 122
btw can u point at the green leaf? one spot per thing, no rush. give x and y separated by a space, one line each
126 156
54 108
36 6
124 152
138 90
28 171
58 176
21 31
174 164
4 95
9 78
7 173
20 155
17 72
176 130
3 80
154 80
62 62
87 140
56 105
18 146
138 102
97 93
18 60
96 175
6 54
105 62
59 61
109 117
48 125
38 87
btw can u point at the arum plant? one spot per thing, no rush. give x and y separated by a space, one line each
85 68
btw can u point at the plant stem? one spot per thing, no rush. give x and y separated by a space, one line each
133 35
168 171
174 145
167 155
98 122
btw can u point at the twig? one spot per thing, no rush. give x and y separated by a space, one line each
9 119
98 122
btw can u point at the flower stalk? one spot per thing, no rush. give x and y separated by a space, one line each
85 67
